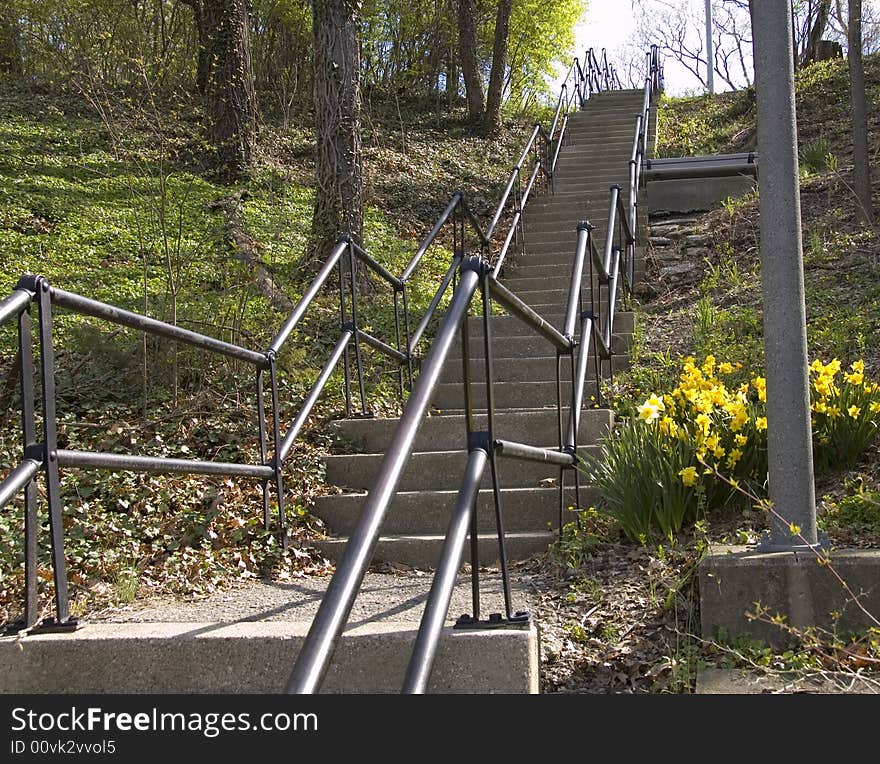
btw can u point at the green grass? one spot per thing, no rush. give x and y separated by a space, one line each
124 216
725 123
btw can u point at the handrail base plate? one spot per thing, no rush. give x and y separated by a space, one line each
495 621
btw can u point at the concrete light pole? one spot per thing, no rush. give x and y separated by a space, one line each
790 450
710 52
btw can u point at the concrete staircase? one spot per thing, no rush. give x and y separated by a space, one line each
595 156
246 640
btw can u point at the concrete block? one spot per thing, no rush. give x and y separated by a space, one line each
695 194
792 584
257 657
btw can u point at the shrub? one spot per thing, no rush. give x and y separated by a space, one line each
661 467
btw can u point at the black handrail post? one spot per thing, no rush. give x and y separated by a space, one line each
559 432
407 335
278 463
50 455
470 427
320 643
397 336
31 449
352 265
261 425
343 324
418 672
490 422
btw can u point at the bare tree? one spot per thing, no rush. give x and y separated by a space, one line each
815 22
673 27
10 43
200 18
339 203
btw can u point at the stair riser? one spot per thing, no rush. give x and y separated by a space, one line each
565 230
578 206
558 259
448 432
554 247
511 326
527 394
518 284
525 346
422 552
413 514
433 471
552 273
558 298
526 369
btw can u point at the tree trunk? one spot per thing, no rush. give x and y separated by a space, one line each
492 118
10 44
339 204
203 62
230 93
816 31
861 166
451 80
470 65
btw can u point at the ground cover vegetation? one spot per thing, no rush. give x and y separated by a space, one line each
691 407
112 186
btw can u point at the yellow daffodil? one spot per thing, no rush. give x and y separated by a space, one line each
688 476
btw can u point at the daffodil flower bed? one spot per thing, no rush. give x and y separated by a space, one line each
658 470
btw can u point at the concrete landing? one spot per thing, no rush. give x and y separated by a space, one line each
245 640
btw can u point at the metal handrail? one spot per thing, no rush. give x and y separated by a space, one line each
621 230
313 660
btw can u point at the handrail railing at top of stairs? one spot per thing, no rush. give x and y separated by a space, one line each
313 660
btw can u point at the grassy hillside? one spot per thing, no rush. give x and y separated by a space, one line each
717 310
110 201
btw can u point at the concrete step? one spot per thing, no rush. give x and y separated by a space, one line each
528 345
251 650
423 551
433 471
415 513
525 369
563 226
550 271
513 326
522 394
525 345
618 173
600 117
519 283
573 167
558 259
590 183
557 299
565 235
448 432
582 204
538 247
